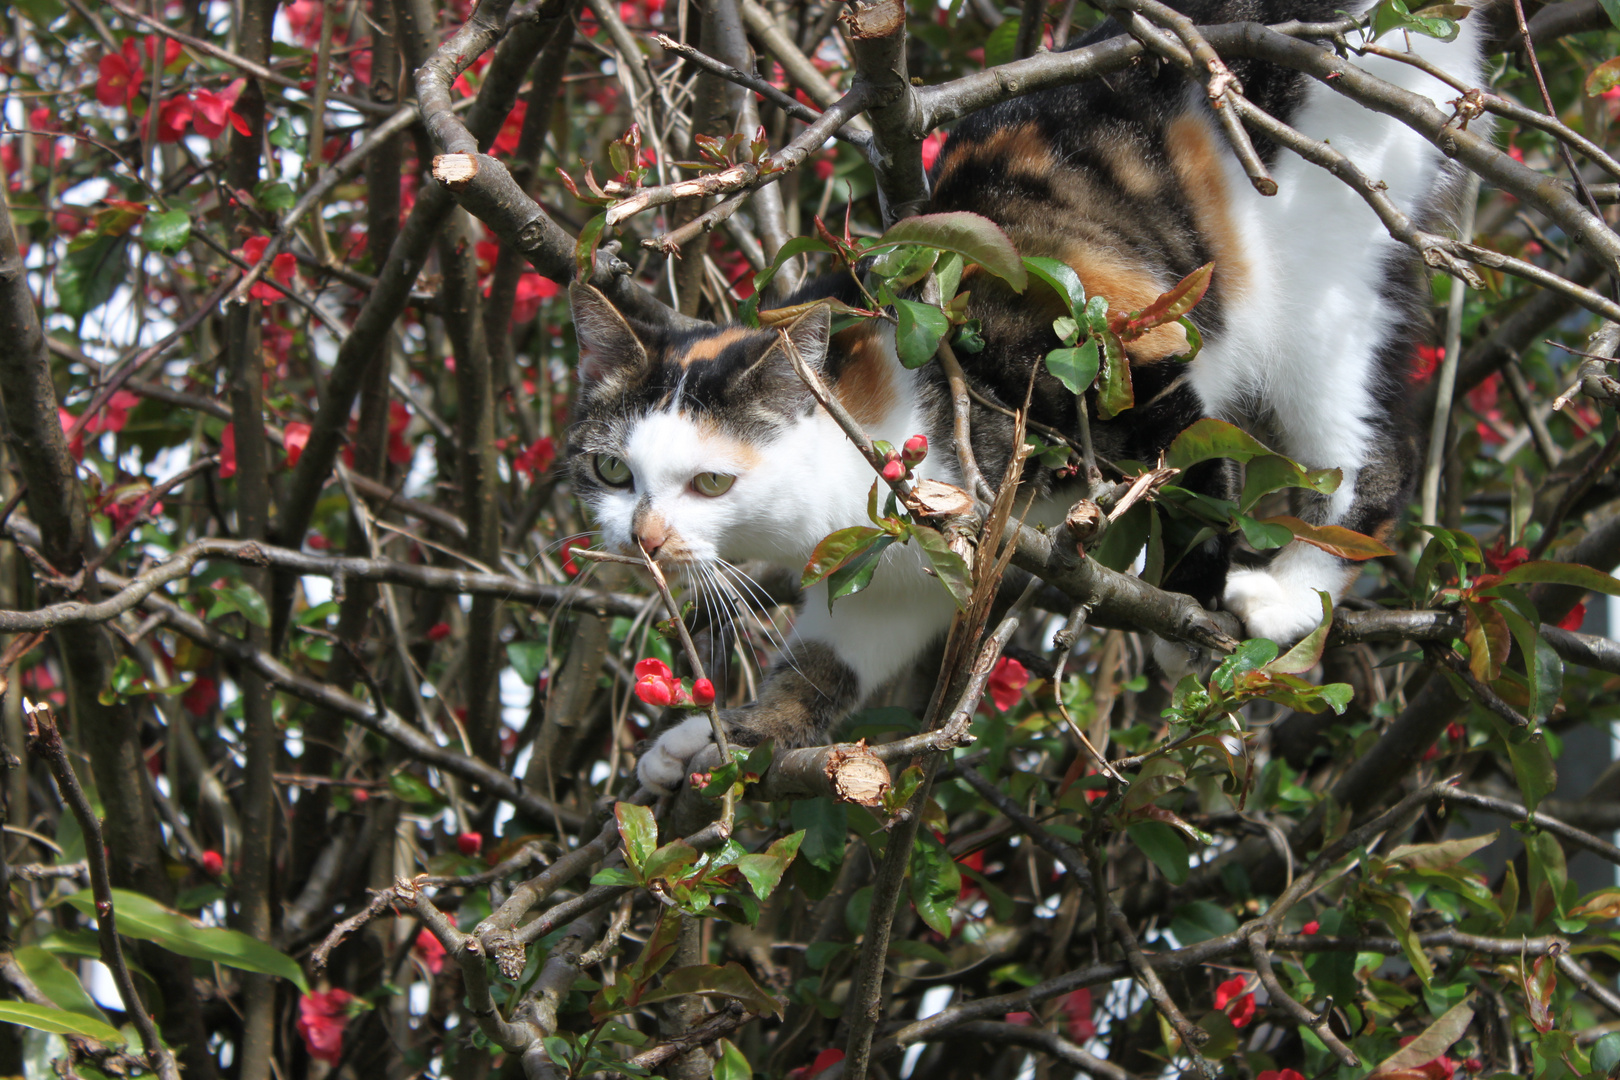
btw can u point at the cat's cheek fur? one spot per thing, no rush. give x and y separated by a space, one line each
663 768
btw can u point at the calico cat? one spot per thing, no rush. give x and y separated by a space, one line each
704 447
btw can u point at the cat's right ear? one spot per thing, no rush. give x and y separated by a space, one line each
606 342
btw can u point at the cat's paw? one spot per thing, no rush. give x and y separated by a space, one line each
1177 659
664 766
1271 608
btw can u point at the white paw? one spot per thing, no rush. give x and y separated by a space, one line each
663 768
1177 659
1270 608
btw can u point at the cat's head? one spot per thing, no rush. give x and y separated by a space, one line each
684 439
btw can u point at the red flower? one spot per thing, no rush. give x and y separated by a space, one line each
1440 1068
656 685
1281 1074
1006 682
215 110
321 1020
1427 360
304 20
295 437
539 457
506 140
227 452
1456 732
1501 559
1230 997
824 1060
469 843
1310 928
531 289
930 149
120 78
438 631
173 117
113 415
399 418
703 692
570 567
1077 1007
202 695
1020 1019
1575 619
67 420
825 165
213 863
429 950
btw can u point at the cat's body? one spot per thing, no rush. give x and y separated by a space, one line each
1308 327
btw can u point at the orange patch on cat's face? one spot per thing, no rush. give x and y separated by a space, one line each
710 348
723 445
1128 289
1021 150
1199 163
866 385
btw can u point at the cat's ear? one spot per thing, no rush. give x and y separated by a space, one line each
606 342
808 335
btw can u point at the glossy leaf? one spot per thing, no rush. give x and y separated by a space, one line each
1063 280
1333 539
1075 368
59 1022
166 233
972 236
89 273
949 567
764 871
935 884
585 249
57 982
1273 472
1169 307
639 831
1434 1041
856 574
143 918
837 549
1164 845
730 980
1308 653
1562 573
920 326
1117 394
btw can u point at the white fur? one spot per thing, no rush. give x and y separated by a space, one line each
807 483
1298 350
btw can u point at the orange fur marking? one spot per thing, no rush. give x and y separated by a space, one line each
1128 289
710 348
865 386
1198 163
1022 150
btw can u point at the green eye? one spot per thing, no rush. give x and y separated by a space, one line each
612 470
712 484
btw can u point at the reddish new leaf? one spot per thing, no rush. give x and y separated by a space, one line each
1167 308
1333 539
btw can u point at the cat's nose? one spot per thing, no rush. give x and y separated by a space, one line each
651 537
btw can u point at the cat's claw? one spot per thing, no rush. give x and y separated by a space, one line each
1271 608
664 766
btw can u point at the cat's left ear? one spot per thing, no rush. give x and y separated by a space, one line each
606 342
808 335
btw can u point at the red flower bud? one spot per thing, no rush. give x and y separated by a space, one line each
1310 928
915 450
893 471
468 843
213 863
360 795
654 691
703 692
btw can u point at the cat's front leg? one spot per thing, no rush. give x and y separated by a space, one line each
1281 600
806 694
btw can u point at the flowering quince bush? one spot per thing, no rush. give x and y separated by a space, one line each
291 552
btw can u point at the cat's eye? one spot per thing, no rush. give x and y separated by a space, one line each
612 470
712 484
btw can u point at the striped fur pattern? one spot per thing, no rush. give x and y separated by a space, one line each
1309 326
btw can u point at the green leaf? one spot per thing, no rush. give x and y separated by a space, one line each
1075 368
1251 655
615 875
1208 439
145 919
856 574
916 338
1606 76
528 659
639 831
1549 875
970 235
413 790
1116 394
1164 845
1261 536
730 981
1606 1053
732 1064
948 271
1002 43
794 247
904 266
1612 9
585 249
1200 921
948 566
58 983
89 273
59 1022
824 822
764 871
1435 1040
935 884
1272 472
274 195
1064 281
166 233
1533 765
1544 571
838 549
669 861
242 599
1159 776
